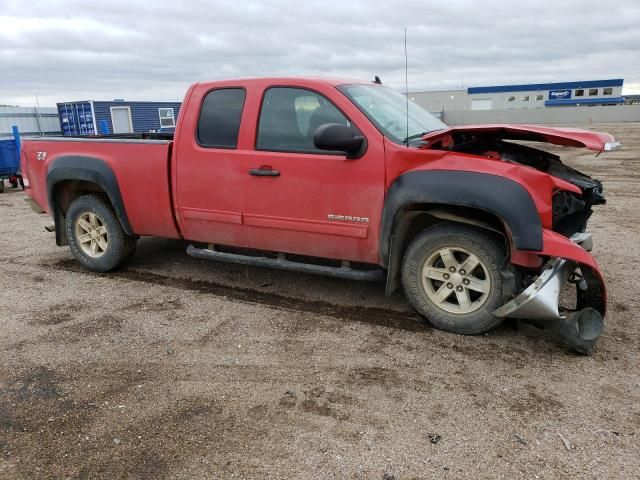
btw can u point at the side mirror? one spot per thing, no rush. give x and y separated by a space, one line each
339 138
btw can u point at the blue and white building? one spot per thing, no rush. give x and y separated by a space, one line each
91 117
533 95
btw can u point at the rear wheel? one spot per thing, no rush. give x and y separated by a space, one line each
96 238
451 274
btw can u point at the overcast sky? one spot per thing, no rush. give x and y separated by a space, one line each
73 50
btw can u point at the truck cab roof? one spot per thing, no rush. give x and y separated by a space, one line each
271 81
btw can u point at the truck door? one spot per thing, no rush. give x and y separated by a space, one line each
302 200
208 175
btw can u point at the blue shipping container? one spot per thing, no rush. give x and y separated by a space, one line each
86 117
76 118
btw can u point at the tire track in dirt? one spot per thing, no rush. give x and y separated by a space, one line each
407 321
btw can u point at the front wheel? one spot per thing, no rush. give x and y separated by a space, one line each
96 238
451 274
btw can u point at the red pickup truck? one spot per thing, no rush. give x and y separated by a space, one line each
344 178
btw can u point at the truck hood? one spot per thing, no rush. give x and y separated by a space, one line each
571 137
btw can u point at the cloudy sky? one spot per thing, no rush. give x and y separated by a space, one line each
72 50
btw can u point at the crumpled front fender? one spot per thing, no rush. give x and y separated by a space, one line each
559 246
556 245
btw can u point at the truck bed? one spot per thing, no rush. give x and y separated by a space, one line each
141 167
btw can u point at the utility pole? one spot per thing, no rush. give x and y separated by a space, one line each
38 117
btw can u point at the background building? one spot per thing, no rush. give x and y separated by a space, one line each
91 117
588 101
534 95
30 121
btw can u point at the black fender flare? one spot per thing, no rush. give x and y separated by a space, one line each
88 169
500 196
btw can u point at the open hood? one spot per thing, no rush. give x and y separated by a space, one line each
571 137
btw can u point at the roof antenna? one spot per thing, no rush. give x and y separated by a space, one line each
406 83
377 80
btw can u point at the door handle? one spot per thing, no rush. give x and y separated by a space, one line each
264 172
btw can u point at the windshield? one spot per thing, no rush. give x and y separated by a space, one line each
387 109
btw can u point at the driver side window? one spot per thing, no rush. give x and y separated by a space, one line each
289 118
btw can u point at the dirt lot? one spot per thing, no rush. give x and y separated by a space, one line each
179 368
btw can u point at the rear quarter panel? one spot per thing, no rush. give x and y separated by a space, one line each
141 169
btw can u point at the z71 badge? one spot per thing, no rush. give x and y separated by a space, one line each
42 156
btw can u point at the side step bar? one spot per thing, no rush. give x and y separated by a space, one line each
345 271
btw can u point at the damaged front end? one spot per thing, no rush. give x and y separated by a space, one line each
543 278
578 322
564 260
580 325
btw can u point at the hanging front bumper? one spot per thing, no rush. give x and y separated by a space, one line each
539 302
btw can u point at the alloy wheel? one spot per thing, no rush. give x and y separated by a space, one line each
456 280
91 235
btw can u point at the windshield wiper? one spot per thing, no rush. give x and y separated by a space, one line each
414 137
418 135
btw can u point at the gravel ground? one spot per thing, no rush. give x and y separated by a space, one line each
180 368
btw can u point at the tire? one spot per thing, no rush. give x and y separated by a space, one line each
457 301
109 247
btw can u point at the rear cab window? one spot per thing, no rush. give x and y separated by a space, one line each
220 116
